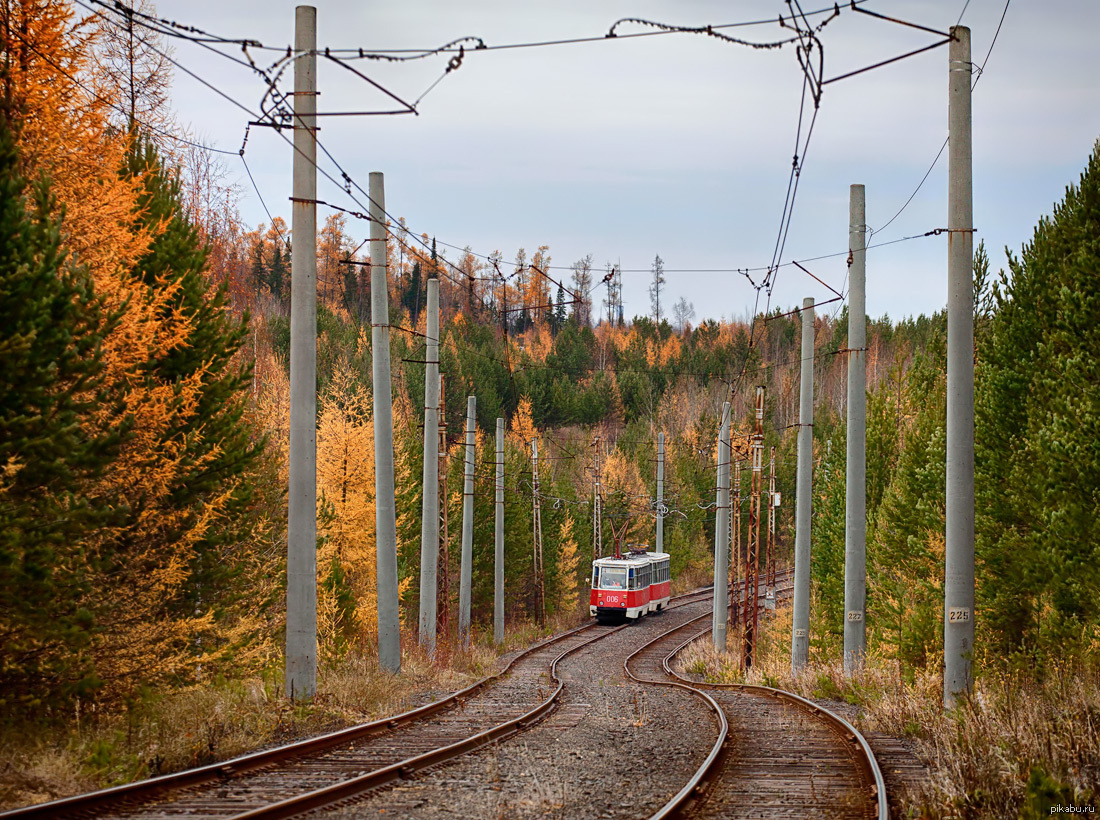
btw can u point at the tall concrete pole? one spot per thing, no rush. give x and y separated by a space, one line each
498 542
660 492
385 506
465 581
855 497
958 620
800 639
301 545
536 518
429 517
721 535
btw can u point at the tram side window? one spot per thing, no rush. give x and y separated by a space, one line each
595 577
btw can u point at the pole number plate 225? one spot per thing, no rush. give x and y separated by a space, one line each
958 615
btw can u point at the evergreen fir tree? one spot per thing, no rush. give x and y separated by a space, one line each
1037 426
277 273
217 436
52 445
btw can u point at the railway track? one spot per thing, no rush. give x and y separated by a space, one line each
781 755
311 774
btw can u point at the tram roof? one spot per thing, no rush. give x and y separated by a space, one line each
629 558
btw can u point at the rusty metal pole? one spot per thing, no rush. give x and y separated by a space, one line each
498 541
735 538
444 520
752 559
660 493
720 615
958 588
855 496
770 577
597 503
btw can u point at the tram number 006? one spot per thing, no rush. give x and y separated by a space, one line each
855 616
958 615
611 599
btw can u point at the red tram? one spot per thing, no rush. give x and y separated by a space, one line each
629 586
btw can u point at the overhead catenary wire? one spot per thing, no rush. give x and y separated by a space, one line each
349 183
446 263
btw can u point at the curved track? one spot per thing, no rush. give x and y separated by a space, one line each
784 757
314 773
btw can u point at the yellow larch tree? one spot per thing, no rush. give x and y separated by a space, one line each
346 560
568 562
523 425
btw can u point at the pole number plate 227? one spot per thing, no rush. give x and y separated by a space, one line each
855 616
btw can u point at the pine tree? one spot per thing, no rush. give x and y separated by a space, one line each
655 286
220 446
1037 426
51 446
559 311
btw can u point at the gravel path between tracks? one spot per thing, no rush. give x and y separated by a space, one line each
612 749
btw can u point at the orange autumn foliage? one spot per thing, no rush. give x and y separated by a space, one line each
138 566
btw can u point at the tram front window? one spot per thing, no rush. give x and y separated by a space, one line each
612 578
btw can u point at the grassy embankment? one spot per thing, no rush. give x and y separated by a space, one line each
1017 747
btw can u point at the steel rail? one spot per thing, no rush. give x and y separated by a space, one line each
145 790
678 800
347 789
692 784
838 724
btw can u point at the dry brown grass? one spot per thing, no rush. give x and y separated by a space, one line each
1016 748
166 732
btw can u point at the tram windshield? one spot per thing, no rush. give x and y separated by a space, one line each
613 578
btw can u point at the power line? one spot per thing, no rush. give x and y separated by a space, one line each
974 85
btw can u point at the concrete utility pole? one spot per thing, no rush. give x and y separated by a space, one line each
540 582
385 506
597 502
465 581
301 544
498 542
660 493
721 535
800 639
855 497
752 557
958 588
444 519
429 518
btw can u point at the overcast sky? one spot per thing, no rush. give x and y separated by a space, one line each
678 145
